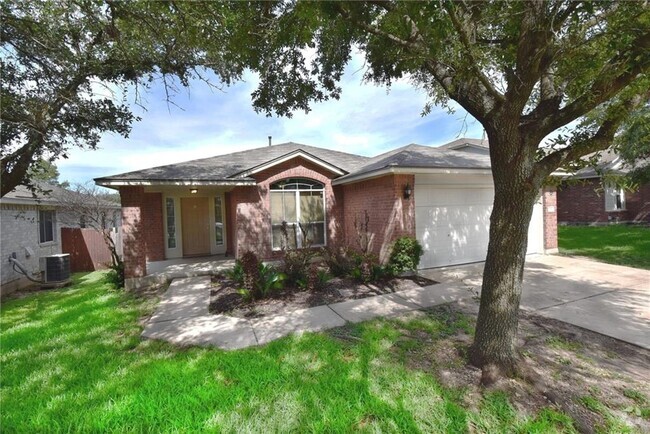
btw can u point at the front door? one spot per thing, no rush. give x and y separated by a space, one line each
195 226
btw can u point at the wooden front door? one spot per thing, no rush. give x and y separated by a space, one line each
195 226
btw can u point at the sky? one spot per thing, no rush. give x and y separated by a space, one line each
203 122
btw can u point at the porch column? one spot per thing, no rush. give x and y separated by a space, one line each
550 219
134 244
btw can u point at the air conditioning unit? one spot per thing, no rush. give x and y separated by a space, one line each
55 268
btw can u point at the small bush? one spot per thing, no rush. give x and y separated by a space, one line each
405 256
317 278
236 273
366 268
258 278
296 264
115 277
339 260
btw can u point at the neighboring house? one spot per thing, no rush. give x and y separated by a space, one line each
31 227
588 201
232 203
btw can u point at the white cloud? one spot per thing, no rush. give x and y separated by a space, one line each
366 120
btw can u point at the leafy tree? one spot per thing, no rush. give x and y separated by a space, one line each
47 172
66 63
524 69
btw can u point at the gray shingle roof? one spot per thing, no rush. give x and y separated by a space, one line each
230 167
46 194
418 156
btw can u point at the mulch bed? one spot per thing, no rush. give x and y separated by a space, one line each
224 298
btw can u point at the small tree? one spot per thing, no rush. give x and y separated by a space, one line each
90 206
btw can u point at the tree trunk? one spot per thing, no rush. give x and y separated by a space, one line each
494 348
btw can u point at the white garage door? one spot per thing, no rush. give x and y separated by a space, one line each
452 221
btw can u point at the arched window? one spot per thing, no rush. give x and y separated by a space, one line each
298 213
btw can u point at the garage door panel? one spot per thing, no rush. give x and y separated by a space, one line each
453 224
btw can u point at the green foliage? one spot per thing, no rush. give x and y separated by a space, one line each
405 256
366 268
46 171
259 279
68 67
296 264
115 277
317 278
339 260
236 273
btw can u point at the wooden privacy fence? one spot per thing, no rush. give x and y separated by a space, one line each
87 249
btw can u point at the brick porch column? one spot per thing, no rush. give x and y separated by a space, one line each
550 219
134 244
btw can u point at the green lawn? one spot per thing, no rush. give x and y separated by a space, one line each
72 360
616 244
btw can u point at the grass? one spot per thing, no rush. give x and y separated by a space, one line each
72 360
615 244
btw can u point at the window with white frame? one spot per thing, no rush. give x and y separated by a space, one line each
171 223
298 213
46 226
218 220
614 198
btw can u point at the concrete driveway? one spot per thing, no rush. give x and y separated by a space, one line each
609 299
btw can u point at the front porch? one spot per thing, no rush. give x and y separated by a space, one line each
161 272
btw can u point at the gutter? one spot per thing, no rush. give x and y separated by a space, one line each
178 182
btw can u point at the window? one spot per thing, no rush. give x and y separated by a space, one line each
171 223
218 220
614 199
298 213
46 225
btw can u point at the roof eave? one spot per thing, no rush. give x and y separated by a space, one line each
171 182
396 170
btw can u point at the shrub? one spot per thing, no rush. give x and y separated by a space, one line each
339 260
236 273
296 264
317 278
405 256
115 277
258 278
366 268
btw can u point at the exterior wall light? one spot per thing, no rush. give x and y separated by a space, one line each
407 191
194 190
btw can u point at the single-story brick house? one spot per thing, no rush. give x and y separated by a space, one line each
232 203
585 200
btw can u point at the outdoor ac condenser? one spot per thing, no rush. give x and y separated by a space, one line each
55 268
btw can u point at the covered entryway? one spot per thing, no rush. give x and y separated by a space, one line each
452 219
195 226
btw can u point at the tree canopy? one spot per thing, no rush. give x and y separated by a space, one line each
65 65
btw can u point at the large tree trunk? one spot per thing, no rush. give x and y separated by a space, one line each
494 347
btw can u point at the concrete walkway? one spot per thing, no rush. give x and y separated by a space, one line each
609 299
183 318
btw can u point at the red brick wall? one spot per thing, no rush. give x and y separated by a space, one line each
154 235
584 202
550 218
230 230
134 247
250 206
391 216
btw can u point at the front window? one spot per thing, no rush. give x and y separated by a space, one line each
298 213
218 220
171 223
614 199
46 225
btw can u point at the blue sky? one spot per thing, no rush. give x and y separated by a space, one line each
367 120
